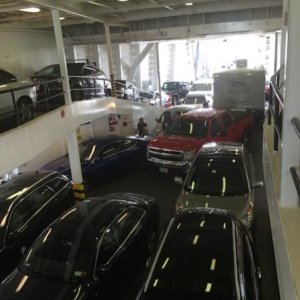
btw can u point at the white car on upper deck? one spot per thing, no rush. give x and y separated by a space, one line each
24 93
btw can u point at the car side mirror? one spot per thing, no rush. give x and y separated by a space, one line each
23 250
178 180
257 184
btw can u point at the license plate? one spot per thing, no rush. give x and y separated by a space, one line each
163 170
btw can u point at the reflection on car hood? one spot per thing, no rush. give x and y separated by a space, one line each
177 142
236 204
20 286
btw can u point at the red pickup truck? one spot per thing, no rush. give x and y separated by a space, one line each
177 146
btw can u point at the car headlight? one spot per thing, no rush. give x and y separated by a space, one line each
188 155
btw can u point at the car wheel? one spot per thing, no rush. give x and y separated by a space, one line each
25 110
77 94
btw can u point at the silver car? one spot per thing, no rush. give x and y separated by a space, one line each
221 176
24 93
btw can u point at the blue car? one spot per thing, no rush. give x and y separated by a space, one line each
105 158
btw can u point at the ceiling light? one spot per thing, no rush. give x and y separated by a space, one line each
30 9
62 18
168 7
189 3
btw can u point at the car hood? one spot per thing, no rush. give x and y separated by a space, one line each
199 93
20 286
236 204
177 142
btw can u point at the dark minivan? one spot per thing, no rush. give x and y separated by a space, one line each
204 254
28 204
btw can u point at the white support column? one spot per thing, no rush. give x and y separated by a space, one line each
71 137
61 55
290 141
158 71
110 59
74 157
284 32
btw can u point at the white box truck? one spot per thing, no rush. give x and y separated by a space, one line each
240 89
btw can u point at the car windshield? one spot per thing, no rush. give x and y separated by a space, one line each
201 87
217 177
165 117
65 252
196 261
188 127
88 152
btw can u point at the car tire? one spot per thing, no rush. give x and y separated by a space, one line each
25 110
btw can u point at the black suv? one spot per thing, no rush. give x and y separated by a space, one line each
28 204
204 254
86 81
176 89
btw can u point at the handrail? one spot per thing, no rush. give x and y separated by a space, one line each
276 107
296 125
296 179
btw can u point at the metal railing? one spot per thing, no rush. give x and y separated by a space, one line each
276 106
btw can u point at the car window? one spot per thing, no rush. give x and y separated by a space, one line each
110 149
39 197
216 128
20 215
50 70
127 144
56 184
118 232
6 77
87 71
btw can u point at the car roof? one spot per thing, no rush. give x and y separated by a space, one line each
108 206
182 107
197 252
104 140
202 113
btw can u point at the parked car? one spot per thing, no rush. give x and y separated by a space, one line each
178 145
168 116
204 254
176 89
203 87
105 158
127 90
200 100
222 176
25 96
86 81
93 251
28 204
163 101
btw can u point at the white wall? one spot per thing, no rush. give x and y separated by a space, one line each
27 52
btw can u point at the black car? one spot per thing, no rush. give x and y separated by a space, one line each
28 204
93 251
204 254
86 81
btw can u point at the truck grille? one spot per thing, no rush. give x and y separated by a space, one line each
165 155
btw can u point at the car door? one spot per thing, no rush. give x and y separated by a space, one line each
129 154
105 163
6 101
19 235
